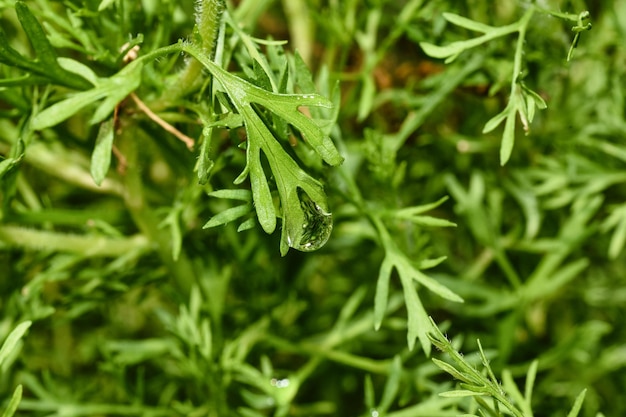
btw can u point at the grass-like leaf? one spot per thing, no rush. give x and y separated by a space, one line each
113 90
233 213
46 66
101 156
11 342
14 403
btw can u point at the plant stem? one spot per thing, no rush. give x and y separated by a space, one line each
86 245
144 217
49 159
208 19
300 28
519 50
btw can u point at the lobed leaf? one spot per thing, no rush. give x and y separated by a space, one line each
303 229
418 322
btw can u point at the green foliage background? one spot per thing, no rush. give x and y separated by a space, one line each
128 306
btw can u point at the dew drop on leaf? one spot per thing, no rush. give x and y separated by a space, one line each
317 226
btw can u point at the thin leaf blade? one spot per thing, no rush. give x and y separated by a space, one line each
101 155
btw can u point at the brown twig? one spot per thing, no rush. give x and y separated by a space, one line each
166 126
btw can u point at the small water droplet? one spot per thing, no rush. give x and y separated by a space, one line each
317 226
374 412
279 383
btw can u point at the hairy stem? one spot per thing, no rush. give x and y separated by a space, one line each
208 19
85 245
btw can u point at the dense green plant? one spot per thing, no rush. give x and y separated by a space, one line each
152 149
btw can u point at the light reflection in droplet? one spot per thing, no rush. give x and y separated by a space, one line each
374 412
279 383
317 226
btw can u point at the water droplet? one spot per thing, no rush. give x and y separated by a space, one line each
374 412
317 226
279 383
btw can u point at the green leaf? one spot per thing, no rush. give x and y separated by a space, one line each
10 56
65 109
418 322
446 367
14 403
11 342
368 388
412 214
45 52
75 67
8 164
261 194
246 225
307 221
304 78
205 163
382 291
616 221
577 404
228 216
366 100
113 89
530 380
172 223
435 287
441 52
228 120
508 139
429 221
461 393
419 325
46 64
430 263
101 155
538 100
104 4
467 23
243 195
392 386
496 120
284 105
509 385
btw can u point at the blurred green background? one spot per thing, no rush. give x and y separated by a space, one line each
123 324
